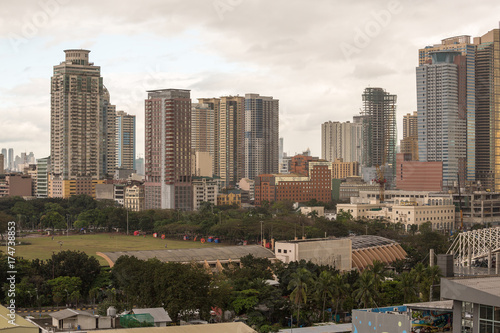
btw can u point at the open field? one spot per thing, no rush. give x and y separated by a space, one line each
42 247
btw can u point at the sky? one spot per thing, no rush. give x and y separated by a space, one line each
315 56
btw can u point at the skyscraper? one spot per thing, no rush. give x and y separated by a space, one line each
107 128
229 134
77 145
409 143
488 109
261 135
379 121
168 150
4 153
125 140
441 118
467 98
10 160
342 140
203 128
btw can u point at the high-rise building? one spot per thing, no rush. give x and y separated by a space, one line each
379 132
168 150
81 139
441 118
2 170
467 98
139 164
43 171
488 110
409 143
342 140
125 140
203 128
229 134
4 153
10 161
261 135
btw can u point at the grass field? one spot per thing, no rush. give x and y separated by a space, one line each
42 247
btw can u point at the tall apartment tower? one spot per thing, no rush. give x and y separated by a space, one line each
4 153
107 127
409 143
342 141
43 171
229 134
77 145
168 150
467 99
2 170
125 140
488 110
261 135
10 160
203 128
379 122
441 117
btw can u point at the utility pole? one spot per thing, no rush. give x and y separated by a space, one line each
261 234
127 222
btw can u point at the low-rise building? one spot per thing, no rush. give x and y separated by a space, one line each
134 198
232 197
351 188
418 176
405 207
160 316
320 210
15 184
70 319
205 189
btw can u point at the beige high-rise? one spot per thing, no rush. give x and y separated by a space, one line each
409 143
229 131
80 113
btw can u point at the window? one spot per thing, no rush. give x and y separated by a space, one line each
284 251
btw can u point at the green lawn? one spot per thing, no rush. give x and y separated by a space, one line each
42 247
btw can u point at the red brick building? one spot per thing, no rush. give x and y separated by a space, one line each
418 176
300 164
295 187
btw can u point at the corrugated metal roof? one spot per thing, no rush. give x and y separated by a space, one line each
198 255
208 328
159 314
67 313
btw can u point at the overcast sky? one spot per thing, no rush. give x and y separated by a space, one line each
315 56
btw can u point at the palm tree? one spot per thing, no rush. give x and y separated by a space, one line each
324 288
366 291
419 273
432 275
339 290
409 287
378 270
299 283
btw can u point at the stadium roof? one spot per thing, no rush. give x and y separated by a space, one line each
209 254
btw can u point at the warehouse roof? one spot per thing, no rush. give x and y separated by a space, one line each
209 254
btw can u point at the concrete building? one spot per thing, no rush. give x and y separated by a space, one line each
321 251
125 140
133 198
43 170
4 153
379 127
261 135
108 134
168 150
351 188
320 211
203 164
409 143
160 316
342 170
205 189
10 160
248 185
229 134
414 175
342 140
80 114
296 188
441 86
15 184
2 162
478 207
405 207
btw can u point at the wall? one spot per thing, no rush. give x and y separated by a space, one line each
364 321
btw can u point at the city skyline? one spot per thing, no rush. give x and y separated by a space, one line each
318 68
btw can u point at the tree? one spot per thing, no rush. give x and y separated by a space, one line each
63 287
366 291
53 220
299 284
324 286
408 287
339 290
377 268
